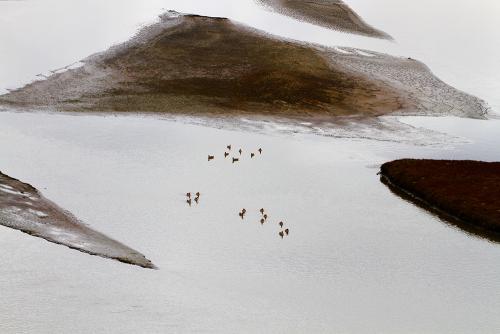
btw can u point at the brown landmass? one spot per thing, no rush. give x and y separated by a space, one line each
332 14
464 193
188 64
23 208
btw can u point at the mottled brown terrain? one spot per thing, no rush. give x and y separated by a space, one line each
189 64
23 208
465 193
332 14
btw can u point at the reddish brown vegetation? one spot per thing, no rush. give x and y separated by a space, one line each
468 191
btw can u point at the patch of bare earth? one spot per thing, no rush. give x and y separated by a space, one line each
194 65
332 14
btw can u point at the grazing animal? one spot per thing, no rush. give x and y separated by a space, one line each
235 160
229 147
252 155
260 151
280 224
281 234
189 202
226 155
244 211
196 199
188 195
240 151
261 211
287 231
262 221
197 194
211 157
265 217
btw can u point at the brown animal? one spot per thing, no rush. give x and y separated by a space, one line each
240 151
252 155
229 147
235 160
280 224
211 157
188 195
281 234
189 202
226 155
244 211
197 194
260 151
262 221
287 231
196 199
261 211
265 217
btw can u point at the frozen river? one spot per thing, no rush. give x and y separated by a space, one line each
358 258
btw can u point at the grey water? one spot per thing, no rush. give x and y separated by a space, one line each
358 258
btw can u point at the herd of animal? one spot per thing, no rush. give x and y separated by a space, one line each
196 198
284 231
237 158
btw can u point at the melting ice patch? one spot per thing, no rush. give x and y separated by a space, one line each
341 50
363 53
384 128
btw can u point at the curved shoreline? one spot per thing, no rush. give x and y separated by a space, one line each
409 179
23 208
331 14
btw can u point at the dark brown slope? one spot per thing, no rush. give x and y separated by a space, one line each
466 193
23 208
332 14
200 65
